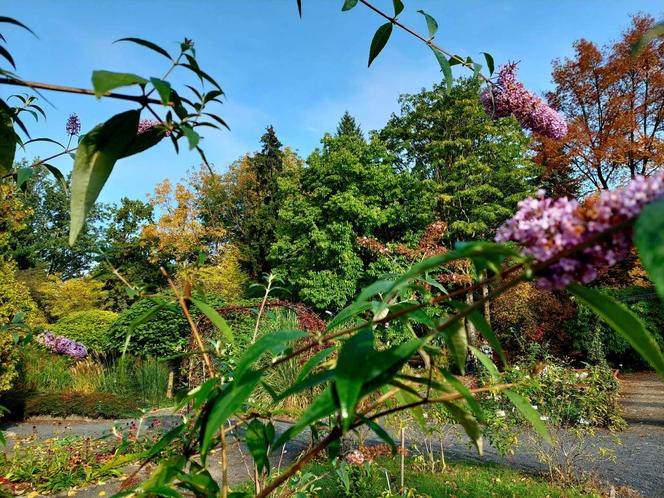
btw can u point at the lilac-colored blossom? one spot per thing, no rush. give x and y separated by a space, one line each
62 345
73 125
510 97
546 227
146 124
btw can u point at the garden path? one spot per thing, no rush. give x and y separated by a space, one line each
638 463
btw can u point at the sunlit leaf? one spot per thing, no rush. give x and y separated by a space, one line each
432 24
489 62
529 413
456 340
379 41
350 373
216 319
163 89
105 81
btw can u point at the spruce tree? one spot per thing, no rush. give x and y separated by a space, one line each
348 127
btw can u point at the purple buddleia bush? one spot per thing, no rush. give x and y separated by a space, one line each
546 227
509 97
62 345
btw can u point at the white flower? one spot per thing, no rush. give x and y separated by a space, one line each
583 421
534 407
544 418
500 413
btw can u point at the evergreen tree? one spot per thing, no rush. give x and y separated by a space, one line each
481 166
348 127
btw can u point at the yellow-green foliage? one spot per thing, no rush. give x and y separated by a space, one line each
15 296
223 278
89 327
62 297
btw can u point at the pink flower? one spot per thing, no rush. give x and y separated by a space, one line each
73 125
146 124
355 457
510 98
545 228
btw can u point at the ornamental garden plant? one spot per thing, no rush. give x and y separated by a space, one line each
322 299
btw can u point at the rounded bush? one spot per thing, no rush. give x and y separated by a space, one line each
89 327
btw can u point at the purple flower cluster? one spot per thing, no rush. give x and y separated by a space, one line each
509 97
62 345
546 227
146 124
73 125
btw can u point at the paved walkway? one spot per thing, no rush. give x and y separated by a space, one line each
639 461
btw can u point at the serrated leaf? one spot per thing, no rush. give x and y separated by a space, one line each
216 319
105 81
624 321
351 372
348 4
649 240
95 157
432 24
379 41
489 62
529 413
148 44
163 89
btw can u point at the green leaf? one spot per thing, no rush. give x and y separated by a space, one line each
7 143
105 81
313 363
477 319
348 4
445 67
656 31
10 20
163 89
398 7
320 407
148 44
192 136
97 153
226 404
432 25
649 240
258 438
276 342
351 372
456 339
467 421
216 319
378 287
487 363
23 175
464 391
166 439
143 141
307 383
381 433
347 313
623 321
379 41
529 413
489 62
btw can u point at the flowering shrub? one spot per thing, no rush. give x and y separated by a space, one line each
510 98
62 345
547 228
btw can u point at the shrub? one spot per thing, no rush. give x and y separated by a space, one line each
597 341
62 297
564 396
89 327
223 277
15 297
8 361
91 405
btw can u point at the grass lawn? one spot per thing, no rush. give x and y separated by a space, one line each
459 480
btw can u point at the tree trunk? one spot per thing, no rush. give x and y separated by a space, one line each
487 305
470 328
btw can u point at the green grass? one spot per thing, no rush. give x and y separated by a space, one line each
460 480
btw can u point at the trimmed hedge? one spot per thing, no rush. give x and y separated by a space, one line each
22 405
89 327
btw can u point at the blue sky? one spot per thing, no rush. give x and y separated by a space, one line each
299 75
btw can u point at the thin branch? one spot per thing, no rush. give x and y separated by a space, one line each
141 99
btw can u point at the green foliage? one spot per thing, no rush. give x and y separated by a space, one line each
63 297
347 190
481 166
15 296
461 479
91 405
43 371
8 361
599 342
166 333
89 327
563 396
649 239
